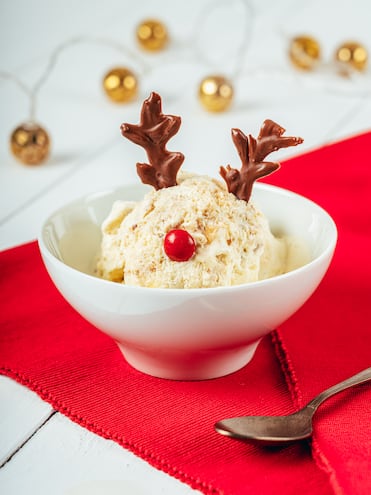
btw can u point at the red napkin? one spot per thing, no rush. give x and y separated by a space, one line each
48 347
330 337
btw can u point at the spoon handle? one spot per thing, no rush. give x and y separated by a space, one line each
361 377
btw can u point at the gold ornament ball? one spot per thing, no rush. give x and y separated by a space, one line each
30 143
353 55
304 52
152 35
216 93
120 85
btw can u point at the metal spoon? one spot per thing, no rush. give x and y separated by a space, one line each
282 430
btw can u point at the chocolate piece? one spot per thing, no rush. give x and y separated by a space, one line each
153 132
252 153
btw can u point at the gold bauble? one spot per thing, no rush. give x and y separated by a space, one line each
120 85
215 93
353 55
304 52
152 35
30 143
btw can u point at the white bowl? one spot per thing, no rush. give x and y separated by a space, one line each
184 334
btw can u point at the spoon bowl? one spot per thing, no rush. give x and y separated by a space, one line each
282 430
268 430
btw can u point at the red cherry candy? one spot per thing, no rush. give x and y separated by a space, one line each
179 245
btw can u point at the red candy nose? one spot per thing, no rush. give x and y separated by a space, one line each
179 245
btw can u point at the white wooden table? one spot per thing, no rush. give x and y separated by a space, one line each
41 451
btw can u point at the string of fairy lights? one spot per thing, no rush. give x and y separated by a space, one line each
30 143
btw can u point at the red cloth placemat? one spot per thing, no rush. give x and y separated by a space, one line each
48 347
330 337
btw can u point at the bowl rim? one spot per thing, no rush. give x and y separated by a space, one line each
327 252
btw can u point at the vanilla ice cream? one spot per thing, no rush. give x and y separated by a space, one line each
192 231
234 244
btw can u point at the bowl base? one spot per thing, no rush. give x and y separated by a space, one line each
175 365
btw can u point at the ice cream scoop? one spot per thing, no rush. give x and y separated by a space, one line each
193 231
233 243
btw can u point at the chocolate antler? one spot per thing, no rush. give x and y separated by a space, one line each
252 153
153 132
